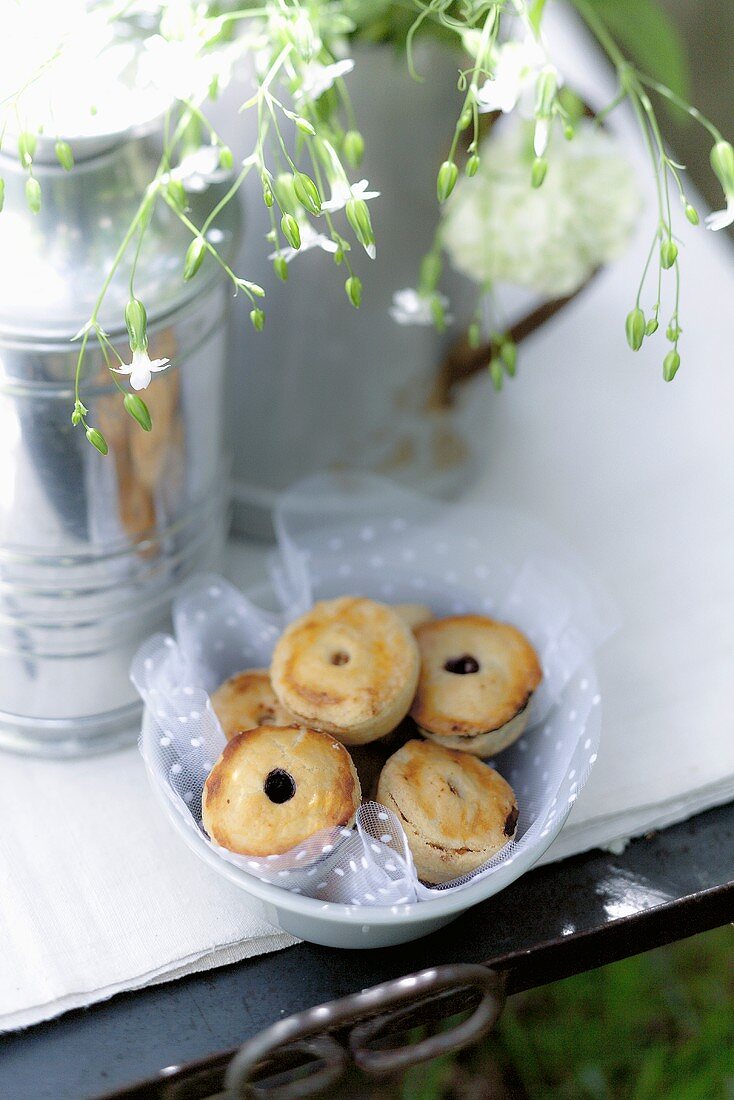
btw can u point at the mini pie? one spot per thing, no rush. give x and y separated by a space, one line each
413 613
477 678
456 811
349 666
275 786
247 700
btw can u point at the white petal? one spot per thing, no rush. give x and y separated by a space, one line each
540 138
720 219
140 380
318 78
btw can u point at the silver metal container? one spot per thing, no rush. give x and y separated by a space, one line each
93 548
327 386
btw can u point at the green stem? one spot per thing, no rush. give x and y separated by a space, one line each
227 198
666 92
195 232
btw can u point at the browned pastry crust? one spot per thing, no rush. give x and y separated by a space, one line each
456 811
275 786
247 700
477 678
349 666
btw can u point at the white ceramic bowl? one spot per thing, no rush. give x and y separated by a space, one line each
363 926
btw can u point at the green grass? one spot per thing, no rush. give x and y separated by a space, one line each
659 1026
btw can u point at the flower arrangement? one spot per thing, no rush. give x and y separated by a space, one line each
541 202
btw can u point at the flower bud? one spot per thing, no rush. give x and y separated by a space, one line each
722 162
138 410
136 320
33 194
447 175
353 287
472 165
226 158
194 257
635 328
496 374
64 155
97 440
568 132
651 327
307 193
2 193
268 196
668 253
77 414
691 213
671 362
304 36
26 148
465 119
430 272
251 288
177 194
358 217
673 332
353 147
339 256
291 232
280 267
539 171
257 317
304 126
508 352
285 193
474 335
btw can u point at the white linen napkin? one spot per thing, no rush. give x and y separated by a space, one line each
98 894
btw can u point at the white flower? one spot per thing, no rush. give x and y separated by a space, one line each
498 228
200 168
142 368
411 308
310 238
342 192
185 67
541 135
318 78
516 70
720 219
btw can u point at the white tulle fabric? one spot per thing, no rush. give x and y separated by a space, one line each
357 534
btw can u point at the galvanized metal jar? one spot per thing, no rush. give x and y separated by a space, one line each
93 548
326 386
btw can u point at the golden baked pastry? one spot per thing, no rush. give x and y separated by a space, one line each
456 811
275 786
413 613
477 678
247 700
349 666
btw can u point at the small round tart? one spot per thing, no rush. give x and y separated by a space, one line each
477 678
275 786
247 700
413 613
456 811
349 666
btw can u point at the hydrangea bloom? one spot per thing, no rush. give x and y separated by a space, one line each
498 228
